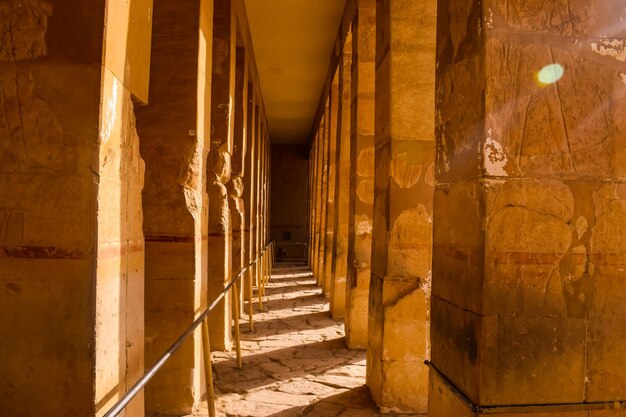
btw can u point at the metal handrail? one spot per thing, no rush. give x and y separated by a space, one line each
143 381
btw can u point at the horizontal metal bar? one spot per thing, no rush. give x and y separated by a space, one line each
526 408
141 383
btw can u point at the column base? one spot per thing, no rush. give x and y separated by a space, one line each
397 387
356 310
444 400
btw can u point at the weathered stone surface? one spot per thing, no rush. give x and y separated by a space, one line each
361 199
120 284
399 299
316 204
24 29
236 185
342 191
249 196
520 288
70 167
219 169
333 131
73 251
175 206
325 139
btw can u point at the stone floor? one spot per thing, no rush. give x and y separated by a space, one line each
295 363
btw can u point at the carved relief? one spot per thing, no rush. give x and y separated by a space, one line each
220 55
365 191
36 140
236 203
23 27
219 214
405 174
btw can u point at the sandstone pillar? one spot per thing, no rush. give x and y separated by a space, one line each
249 187
71 244
266 168
404 185
261 204
236 184
342 191
528 302
259 199
361 199
329 253
219 169
325 138
311 202
264 190
174 144
317 190
120 244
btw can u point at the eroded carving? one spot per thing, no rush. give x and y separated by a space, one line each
220 55
219 213
23 27
34 138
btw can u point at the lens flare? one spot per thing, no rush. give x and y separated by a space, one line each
550 74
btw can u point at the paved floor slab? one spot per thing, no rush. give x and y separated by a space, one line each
296 362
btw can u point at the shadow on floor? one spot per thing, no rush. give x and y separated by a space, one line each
354 402
296 363
308 286
282 364
287 325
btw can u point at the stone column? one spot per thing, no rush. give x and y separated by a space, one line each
404 187
249 187
311 201
325 138
329 253
259 196
264 193
219 170
266 167
267 189
318 196
261 204
529 299
119 309
342 191
71 244
236 184
174 144
360 209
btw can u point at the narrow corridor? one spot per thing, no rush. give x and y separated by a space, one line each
296 362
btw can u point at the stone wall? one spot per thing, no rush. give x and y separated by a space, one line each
289 227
